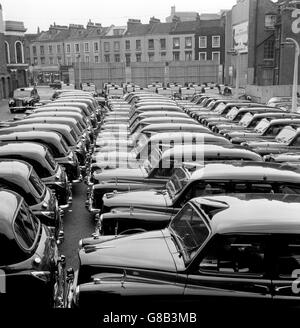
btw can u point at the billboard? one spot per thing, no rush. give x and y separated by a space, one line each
240 37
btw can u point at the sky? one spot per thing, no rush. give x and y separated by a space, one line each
42 13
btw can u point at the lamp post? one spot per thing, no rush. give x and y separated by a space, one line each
295 79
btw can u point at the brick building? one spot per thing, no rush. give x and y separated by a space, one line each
15 54
249 30
4 76
210 40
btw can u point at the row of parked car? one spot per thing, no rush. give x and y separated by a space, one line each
193 201
42 154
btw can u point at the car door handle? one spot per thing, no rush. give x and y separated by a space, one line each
278 289
262 288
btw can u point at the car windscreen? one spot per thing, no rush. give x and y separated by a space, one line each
22 93
262 125
177 182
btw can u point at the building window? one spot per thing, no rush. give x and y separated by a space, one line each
86 47
106 46
188 42
270 21
176 43
162 43
43 60
34 50
77 47
117 58
68 48
116 45
127 44
269 49
7 54
50 49
138 45
163 56
96 46
35 61
216 57
118 31
51 60
69 61
151 56
202 42
176 55
19 52
58 48
106 58
127 59
96 59
58 59
42 50
138 58
202 56
216 41
150 44
188 55
87 59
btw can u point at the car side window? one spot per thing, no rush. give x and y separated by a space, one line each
288 256
235 255
296 142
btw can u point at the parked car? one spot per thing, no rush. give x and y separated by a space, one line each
209 256
193 181
249 121
58 147
157 169
21 177
34 272
50 172
68 134
23 98
287 140
108 157
265 129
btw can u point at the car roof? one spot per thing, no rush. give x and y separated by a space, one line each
216 150
22 148
32 133
14 167
181 134
247 171
251 213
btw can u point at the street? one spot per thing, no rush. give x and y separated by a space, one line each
76 220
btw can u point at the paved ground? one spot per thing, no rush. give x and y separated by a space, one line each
76 221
